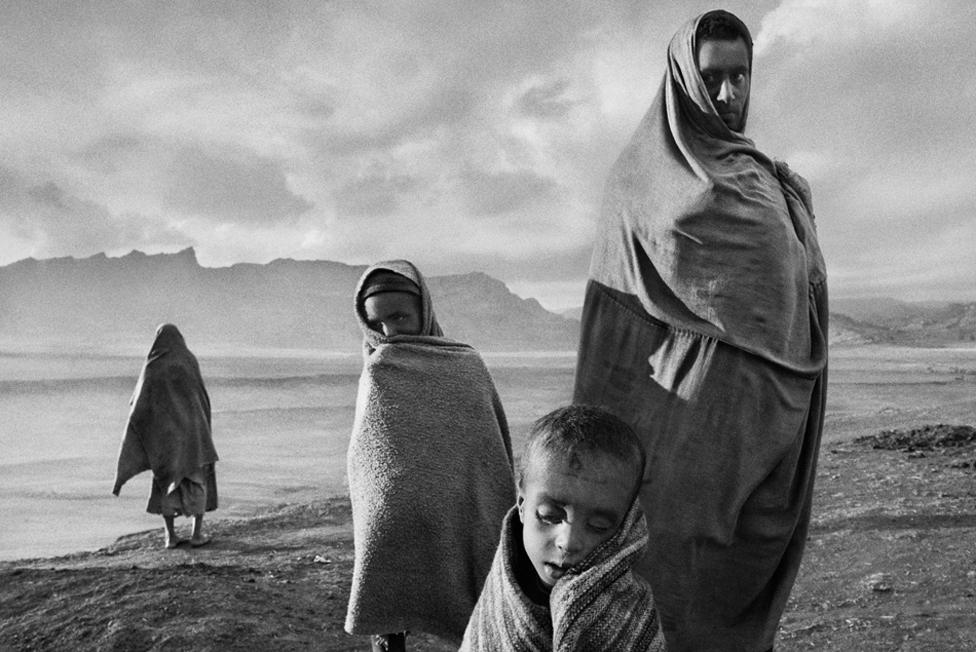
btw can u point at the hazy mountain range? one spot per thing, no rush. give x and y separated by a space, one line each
289 304
100 301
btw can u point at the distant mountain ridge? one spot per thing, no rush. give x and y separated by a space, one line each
286 304
886 320
290 304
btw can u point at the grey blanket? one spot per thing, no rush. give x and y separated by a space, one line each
430 479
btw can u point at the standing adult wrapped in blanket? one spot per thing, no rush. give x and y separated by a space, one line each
704 326
168 432
429 465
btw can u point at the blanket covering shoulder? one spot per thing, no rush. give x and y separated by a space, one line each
599 605
429 466
168 430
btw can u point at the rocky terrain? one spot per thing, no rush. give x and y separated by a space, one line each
890 565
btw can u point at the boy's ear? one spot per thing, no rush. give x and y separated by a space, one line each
520 504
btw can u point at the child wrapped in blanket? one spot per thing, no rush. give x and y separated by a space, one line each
561 578
429 465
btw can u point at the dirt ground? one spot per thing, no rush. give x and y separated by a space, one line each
890 565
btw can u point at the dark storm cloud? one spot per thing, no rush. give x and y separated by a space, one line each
239 186
49 194
59 222
546 100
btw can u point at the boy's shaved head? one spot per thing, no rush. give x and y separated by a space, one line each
576 432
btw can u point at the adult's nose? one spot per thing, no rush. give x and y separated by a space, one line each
726 93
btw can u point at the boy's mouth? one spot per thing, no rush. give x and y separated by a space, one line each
555 570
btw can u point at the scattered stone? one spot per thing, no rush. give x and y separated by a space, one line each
879 583
926 438
319 559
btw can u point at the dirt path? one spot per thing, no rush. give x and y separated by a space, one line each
277 582
890 565
891 557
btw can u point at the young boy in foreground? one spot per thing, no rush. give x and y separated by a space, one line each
561 578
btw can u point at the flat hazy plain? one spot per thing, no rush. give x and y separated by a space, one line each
282 420
281 423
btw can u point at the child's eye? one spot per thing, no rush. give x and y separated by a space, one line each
601 526
550 517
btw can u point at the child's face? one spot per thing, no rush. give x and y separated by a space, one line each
570 506
393 313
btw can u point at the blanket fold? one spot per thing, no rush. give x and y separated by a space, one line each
709 233
168 429
430 479
598 605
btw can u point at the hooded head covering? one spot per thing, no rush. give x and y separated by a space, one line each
395 276
385 281
169 417
706 231
692 93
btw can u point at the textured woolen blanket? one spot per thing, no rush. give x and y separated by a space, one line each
601 604
430 479
168 430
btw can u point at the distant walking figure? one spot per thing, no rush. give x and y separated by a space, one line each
704 327
169 433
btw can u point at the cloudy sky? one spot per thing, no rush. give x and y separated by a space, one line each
465 136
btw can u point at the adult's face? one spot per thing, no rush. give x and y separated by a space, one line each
724 67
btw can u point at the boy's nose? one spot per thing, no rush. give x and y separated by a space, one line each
569 540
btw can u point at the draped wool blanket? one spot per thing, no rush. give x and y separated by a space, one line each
600 604
430 479
704 327
168 430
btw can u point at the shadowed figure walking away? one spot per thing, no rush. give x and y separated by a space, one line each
168 432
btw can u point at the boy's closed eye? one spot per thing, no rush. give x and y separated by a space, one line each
598 523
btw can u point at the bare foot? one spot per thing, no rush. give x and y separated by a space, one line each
201 540
175 543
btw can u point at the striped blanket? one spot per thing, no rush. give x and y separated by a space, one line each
599 605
